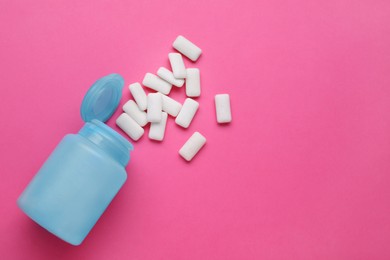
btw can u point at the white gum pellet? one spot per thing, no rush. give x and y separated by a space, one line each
154 107
193 82
154 82
167 75
171 106
129 126
192 146
222 107
187 48
187 112
139 95
134 112
177 65
157 130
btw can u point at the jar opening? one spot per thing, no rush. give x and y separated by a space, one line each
108 140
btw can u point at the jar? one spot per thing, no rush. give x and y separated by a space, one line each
84 172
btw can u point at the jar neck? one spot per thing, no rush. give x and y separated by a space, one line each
116 146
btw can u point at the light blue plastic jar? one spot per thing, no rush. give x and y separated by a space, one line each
84 172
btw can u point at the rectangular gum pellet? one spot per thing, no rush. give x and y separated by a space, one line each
222 107
157 130
187 48
171 106
187 113
177 65
156 83
129 126
139 95
154 108
193 82
192 146
131 108
168 76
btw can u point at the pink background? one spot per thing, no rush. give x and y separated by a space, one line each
302 172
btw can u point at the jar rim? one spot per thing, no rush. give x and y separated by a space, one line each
108 139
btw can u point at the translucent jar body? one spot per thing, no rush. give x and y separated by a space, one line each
77 182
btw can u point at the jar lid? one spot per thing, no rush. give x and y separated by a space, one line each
102 98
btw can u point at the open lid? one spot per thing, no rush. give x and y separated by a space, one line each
102 98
